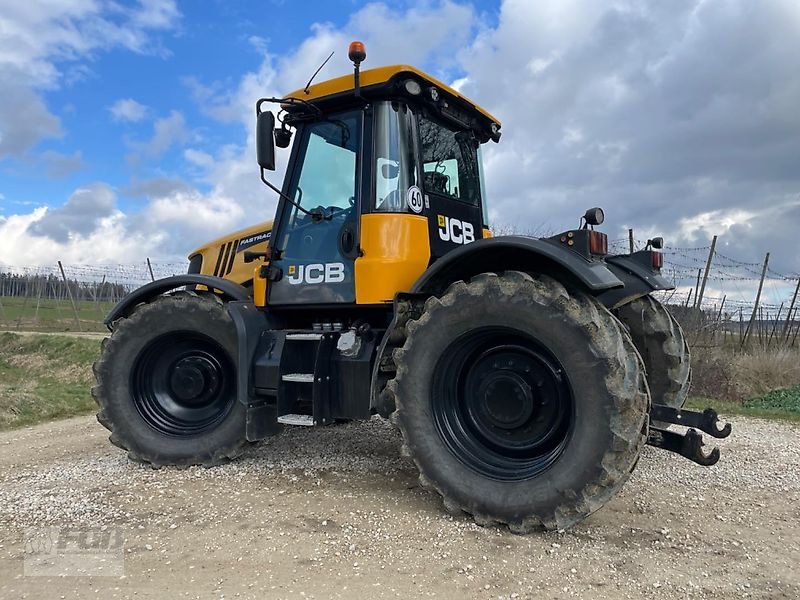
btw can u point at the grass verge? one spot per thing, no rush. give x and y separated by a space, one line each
44 377
781 404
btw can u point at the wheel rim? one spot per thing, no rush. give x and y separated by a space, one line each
502 404
183 384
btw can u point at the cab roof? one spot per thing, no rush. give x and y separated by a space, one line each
378 76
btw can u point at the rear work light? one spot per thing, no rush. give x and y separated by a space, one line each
598 243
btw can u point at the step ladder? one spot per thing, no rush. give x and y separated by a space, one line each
304 398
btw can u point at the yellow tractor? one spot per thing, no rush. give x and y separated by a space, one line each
519 370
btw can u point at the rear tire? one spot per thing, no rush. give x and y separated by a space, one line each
573 433
664 349
166 383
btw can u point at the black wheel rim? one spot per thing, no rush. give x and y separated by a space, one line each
183 384
502 404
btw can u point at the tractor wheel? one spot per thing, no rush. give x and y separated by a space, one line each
519 401
166 383
662 344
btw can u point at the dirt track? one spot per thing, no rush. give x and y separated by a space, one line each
334 512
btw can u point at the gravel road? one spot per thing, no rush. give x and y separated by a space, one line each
336 513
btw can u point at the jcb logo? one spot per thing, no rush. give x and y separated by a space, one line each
316 273
453 230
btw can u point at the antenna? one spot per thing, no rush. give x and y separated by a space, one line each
325 62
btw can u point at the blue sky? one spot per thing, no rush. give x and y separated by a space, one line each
213 42
126 127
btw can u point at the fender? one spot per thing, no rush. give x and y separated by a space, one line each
516 253
147 292
639 277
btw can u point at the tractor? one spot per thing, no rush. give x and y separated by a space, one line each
525 374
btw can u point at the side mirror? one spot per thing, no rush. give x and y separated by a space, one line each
265 143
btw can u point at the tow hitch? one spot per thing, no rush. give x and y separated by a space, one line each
689 445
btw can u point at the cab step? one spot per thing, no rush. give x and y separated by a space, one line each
298 377
304 336
305 420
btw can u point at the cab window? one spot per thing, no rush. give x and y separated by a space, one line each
395 163
450 162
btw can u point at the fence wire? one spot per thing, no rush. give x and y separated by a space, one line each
728 304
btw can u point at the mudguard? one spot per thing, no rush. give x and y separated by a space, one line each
516 253
640 279
229 289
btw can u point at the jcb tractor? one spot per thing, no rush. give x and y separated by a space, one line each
525 374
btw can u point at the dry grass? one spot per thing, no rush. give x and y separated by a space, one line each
724 374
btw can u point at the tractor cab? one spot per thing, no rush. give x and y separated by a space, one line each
384 178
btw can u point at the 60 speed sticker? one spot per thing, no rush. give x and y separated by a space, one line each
414 199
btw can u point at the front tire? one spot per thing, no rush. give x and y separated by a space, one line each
166 383
520 402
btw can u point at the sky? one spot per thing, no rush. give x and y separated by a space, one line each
126 127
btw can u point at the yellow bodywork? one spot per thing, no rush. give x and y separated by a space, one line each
344 84
395 252
224 257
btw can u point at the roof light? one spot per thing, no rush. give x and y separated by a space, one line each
357 52
413 87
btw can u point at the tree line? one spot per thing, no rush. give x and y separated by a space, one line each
51 286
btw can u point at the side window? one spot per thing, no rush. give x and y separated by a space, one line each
450 162
395 164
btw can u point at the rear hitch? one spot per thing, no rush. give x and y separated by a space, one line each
689 445
706 421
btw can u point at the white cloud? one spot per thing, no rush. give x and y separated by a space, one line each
168 131
128 109
60 165
90 228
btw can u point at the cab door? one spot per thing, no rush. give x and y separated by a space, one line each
317 240
452 184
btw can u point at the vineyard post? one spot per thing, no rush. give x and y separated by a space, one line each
71 299
24 302
150 268
785 332
775 325
719 321
705 274
697 289
97 293
758 299
630 240
38 301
